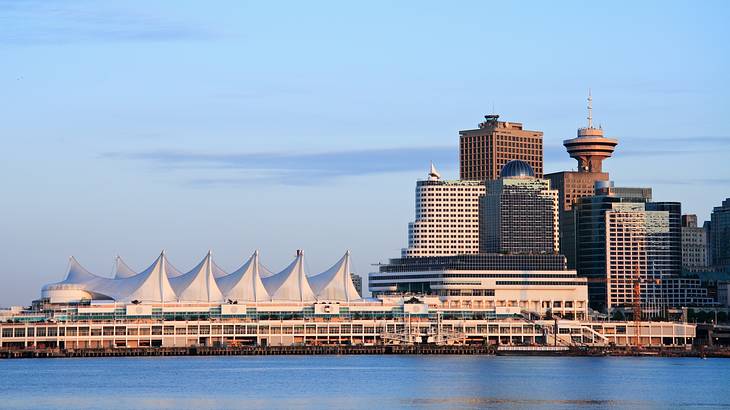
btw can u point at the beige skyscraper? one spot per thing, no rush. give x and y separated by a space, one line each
485 150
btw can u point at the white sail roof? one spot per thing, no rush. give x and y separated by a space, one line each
198 285
291 284
77 277
218 272
150 285
121 269
336 282
245 283
77 273
171 270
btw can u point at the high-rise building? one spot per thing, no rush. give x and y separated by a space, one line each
590 237
447 217
485 150
519 213
719 236
623 239
642 244
357 282
589 148
694 245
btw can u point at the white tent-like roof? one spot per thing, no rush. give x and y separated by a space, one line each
335 283
79 280
207 282
171 270
198 285
150 285
218 272
121 269
291 284
245 283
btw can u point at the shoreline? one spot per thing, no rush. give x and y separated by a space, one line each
359 350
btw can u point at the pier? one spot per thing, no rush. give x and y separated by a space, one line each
424 349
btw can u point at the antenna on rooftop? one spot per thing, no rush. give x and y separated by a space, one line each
590 109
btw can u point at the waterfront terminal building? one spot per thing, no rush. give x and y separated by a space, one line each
164 307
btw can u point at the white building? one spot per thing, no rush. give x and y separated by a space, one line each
447 217
517 284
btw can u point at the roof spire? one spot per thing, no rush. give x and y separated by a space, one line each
433 174
590 109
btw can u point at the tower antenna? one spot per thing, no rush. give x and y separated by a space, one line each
590 109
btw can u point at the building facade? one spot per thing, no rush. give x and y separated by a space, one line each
161 307
357 282
519 213
519 283
625 241
719 235
447 218
384 322
694 245
485 150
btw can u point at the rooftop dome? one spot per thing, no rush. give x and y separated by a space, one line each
516 168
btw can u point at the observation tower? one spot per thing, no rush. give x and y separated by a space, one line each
590 148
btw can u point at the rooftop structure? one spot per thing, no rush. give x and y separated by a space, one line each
162 283
590 148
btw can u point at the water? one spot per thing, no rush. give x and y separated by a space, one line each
365 382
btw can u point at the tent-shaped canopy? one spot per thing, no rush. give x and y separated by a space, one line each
207 282
245 283
335 283
151 285
121 269
198 285
291 284
218 272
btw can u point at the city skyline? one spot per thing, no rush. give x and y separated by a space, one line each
130 150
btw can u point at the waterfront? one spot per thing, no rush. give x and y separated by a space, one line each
361 382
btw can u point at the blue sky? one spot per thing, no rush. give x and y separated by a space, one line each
130 127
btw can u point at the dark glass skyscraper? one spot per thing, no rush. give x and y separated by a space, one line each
719 236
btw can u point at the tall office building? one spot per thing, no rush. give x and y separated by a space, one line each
485 150
519 213
624 238
589 148
447 217
357 282
694 245
719 235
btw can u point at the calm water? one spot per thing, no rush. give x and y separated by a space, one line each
364 382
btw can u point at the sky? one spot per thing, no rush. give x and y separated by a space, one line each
132 127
